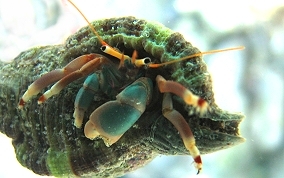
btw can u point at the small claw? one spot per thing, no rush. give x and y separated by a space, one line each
84 98
79 116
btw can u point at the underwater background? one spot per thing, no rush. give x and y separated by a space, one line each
248 81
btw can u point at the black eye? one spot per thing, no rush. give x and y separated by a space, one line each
147 60
103 48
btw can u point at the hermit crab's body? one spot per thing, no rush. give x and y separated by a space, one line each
45 138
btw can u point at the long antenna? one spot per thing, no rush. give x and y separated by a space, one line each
196 55
109 50
90 25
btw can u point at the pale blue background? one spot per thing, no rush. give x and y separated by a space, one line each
249 81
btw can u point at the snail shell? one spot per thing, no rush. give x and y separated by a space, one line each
47 142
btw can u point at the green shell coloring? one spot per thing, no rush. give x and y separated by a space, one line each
47 142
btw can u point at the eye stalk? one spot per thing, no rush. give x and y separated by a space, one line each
143 62
111 51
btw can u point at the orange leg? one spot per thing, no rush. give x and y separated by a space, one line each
177 119
55 75
184 130
85 70
189 98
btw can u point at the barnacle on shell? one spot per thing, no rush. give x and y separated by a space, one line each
47 142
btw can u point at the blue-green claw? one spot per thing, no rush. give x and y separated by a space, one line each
112 119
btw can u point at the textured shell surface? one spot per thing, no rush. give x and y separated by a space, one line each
47 142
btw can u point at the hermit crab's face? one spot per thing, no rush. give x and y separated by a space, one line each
112 113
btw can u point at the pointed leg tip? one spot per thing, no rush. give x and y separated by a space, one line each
21 104
198 164
202 106
198 171
41 99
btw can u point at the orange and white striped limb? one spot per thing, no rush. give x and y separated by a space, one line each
189 98
183 128
82 72
177 119
81 65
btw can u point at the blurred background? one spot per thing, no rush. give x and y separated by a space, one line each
248 81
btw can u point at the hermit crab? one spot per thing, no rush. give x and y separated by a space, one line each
158 101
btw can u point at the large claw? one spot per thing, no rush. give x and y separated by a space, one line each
112 119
